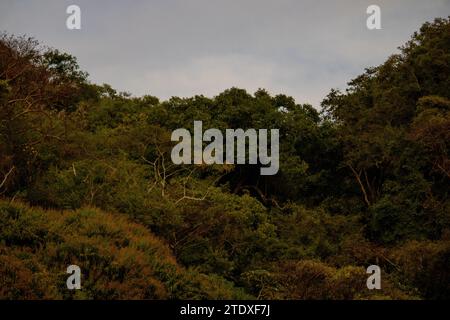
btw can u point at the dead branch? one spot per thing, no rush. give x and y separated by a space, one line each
6 176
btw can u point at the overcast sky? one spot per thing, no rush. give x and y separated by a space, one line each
186 47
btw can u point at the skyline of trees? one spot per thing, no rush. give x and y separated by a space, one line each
86 176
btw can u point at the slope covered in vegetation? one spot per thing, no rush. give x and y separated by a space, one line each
121 260
365 181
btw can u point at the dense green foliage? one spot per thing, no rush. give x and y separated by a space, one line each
365 181
122 260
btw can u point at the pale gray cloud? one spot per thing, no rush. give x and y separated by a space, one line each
187 47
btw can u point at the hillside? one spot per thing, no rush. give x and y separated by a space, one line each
121 259
86 178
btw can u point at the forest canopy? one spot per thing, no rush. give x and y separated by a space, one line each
86 178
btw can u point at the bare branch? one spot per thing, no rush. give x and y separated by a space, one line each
6 176
358 178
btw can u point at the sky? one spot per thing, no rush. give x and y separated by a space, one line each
186 47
